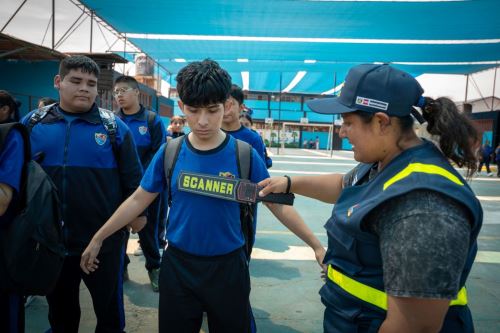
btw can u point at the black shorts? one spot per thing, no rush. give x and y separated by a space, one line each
191 285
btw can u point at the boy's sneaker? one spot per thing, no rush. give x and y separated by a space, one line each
154 275
138 252
490 174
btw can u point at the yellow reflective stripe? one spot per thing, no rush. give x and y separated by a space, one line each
461 298
425 168
357 289
374 296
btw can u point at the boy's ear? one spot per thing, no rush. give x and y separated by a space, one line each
181 105
57 81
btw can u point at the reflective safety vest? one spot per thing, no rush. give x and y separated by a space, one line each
353 255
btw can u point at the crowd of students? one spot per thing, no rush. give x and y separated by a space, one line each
114 177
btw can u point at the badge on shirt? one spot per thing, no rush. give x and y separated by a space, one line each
226 174
143 130
100 138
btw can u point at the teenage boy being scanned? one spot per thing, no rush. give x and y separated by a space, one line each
204 267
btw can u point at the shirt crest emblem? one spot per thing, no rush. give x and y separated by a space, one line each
100 138
226 174
143 130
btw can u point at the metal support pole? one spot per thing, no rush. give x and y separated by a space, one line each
279 114
11 52
169 85
158 87
466 87
13 15
69 29
53 24
91 28
333 116
124 50
494 87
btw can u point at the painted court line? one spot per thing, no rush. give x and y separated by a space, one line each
334 157
488 198
315 152
315 163
282 172
306 253
323 234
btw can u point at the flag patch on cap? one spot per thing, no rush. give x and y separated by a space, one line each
372 103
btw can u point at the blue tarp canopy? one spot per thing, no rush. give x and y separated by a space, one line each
277 37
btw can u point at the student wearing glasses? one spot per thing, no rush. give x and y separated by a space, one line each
149 134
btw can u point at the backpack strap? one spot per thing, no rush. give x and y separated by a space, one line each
169 159
108 120
151 120
244 158
38 116
244 162
151 116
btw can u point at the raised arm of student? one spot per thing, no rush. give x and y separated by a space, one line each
127 212
325 188
291 219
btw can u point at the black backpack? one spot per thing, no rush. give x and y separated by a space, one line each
31 246
244 162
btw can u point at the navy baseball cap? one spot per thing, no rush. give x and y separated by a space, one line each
374 88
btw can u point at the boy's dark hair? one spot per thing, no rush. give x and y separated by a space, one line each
85 64
237 94
203 83
129 80
12 103
247 117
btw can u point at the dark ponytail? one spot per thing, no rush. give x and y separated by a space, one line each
457 135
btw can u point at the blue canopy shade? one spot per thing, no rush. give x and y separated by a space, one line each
277 37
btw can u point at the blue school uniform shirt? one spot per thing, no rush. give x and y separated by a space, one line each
199 224
11 166
92 178
250 137
147 140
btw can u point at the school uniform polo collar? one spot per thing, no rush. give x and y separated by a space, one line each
92 116
140 115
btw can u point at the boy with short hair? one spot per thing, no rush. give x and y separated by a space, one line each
204 267
149 134
231 122
94 170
